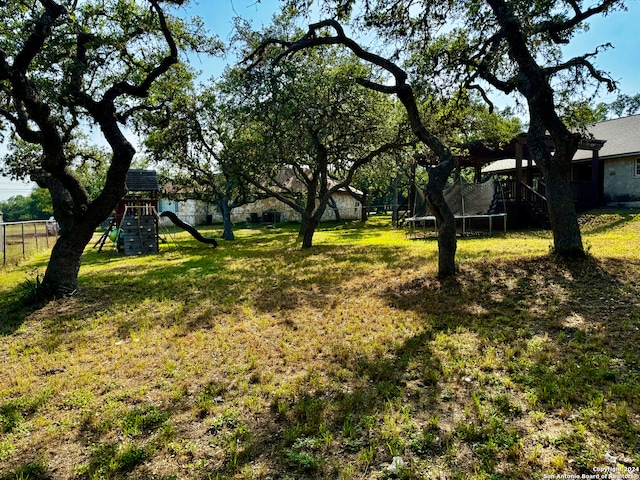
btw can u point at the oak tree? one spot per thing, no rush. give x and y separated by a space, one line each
68 68
185 140
302 128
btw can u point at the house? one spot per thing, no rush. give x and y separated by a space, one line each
620 156
271 209
605 170
343 204
268 210
186 207
195 212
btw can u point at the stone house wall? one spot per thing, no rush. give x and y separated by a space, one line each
348 207
622 181
196 212
190 211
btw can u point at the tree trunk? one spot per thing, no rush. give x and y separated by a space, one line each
395 202
78 220
447 246
226 219
556 169
447 242
307 229
567 239
438 176
61 276
334 207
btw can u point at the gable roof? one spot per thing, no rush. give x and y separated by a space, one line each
622 137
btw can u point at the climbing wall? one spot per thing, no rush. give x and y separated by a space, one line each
139 235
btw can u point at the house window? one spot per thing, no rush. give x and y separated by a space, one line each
637 170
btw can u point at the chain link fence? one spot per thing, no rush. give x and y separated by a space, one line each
18 240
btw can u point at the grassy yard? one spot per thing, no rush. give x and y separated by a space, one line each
258 360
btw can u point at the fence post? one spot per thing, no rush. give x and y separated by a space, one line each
24 252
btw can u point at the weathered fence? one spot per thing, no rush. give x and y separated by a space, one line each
20 239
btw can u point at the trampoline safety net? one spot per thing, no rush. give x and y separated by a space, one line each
466 199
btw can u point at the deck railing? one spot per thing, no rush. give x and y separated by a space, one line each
582 192
534 197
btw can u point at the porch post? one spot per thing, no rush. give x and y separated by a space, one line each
597 177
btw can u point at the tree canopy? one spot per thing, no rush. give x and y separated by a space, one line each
301 127
185 140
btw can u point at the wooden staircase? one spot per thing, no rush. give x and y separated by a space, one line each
535 205
526 203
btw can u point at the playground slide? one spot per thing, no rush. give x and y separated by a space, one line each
189 228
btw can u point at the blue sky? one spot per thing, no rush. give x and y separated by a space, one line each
619 29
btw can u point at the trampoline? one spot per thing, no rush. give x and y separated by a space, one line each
472 204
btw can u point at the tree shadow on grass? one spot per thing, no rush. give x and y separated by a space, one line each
565 336
533 320
320 427
272 280
17 305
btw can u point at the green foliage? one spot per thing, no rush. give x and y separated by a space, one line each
625 105
139 421
581 114
113 460
36 206
303 461
299 122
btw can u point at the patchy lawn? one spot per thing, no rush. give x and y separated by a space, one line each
258 360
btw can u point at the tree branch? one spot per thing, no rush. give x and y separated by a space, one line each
480 63
582 62
311 39
387 147
28 135
274 193
555 28
484 96
142 89
43 28
401 88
